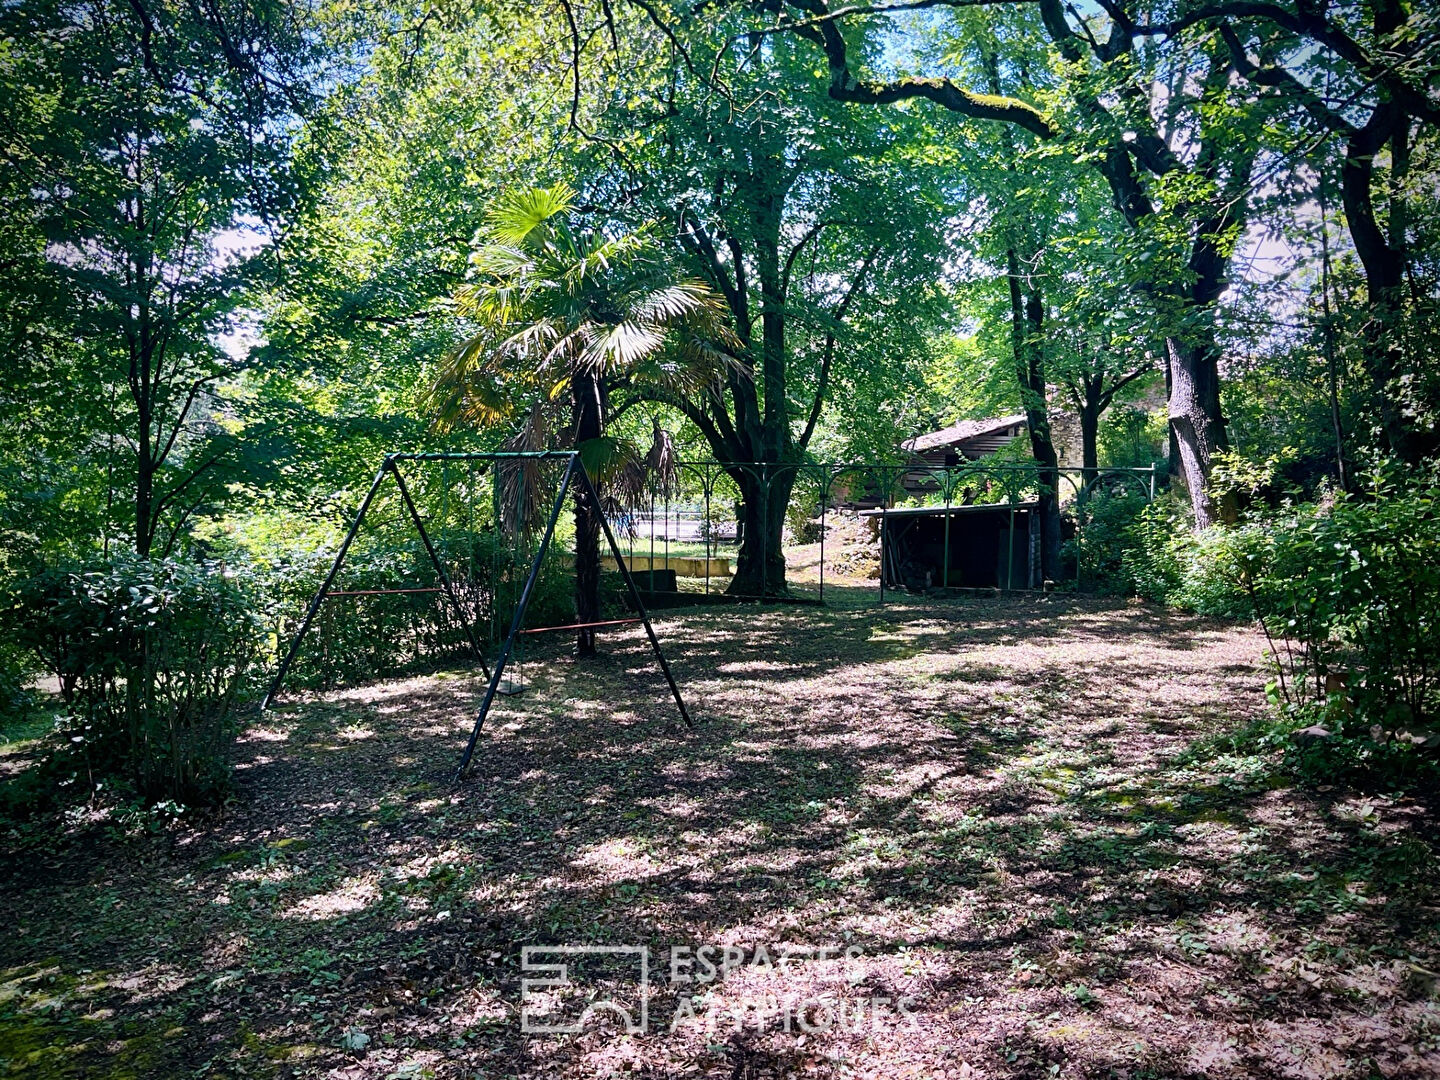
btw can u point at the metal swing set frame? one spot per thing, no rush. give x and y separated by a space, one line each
574 473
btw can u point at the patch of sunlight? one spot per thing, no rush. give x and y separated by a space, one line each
753 667
478 1007
16 979
423 866
619 858
352 895
267 873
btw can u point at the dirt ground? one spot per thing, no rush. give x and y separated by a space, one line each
961 838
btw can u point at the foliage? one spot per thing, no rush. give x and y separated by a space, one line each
146 174
1164 560
150 657
554 301
1346 589
1106 537
1348 593
361 638
1132 437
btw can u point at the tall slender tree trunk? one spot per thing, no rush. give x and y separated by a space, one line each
1384 260
1027 315
1090 409
586 412
1172 444
144 497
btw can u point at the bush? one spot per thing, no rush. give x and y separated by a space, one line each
356 639
1104 538
18 668
149 657
1162 559
1155 549
1349 594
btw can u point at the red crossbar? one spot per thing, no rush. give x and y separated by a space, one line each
579 626
378 592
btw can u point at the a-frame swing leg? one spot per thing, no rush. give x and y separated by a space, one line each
440 569
325 588
634 593
500 661
571 469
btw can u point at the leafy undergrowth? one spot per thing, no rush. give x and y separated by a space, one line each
1015 814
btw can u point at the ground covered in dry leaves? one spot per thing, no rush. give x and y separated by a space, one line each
943 838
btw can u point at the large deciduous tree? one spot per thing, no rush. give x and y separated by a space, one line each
1363 76
1168 130
811 227
140 136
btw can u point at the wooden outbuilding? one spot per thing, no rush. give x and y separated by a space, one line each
985 546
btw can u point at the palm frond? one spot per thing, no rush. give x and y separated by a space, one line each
567 347
619 347
662 463
516 214
460 373
607 253
493 302
685 367
521 481
618 470
537 339
683 303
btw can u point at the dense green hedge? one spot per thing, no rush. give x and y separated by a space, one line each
355 639
151 658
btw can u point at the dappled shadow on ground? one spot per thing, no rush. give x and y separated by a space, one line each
1021 816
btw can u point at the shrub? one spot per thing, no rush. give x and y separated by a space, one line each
1162 559
1105 537
355 639
149 657
1155 550
1349 594
18 668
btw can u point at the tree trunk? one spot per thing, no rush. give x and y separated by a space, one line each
1049 500
1195 422
1172 447
1027 313
1090 431
760 564
144 499
1384 262
585 406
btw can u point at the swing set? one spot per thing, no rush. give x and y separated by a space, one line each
573 474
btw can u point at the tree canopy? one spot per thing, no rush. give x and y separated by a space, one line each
235 237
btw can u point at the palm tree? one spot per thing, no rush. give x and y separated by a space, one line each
560 313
